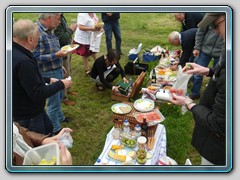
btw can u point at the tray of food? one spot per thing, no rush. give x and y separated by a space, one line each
120 154
152 117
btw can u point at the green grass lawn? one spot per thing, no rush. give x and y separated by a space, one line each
92 115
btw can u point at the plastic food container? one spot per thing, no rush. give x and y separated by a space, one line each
48 154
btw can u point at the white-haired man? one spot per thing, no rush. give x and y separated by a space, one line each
29 88
50 61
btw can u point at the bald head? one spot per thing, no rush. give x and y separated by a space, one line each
25 33
23 28
173 38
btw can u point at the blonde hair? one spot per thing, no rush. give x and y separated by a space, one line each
23 28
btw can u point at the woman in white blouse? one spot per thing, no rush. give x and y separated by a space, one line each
86 36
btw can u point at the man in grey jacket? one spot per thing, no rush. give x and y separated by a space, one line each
208 45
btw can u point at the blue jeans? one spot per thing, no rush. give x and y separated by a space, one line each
203 59
54 109
40 124
109 28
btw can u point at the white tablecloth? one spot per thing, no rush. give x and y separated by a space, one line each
159 149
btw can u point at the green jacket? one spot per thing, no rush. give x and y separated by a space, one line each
63 32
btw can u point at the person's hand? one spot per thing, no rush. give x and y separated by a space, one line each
73 27
61 53
66 157
67 83
56 137
53 80
109 14
178 100
125 80
115 89
193 68
196 53
182 101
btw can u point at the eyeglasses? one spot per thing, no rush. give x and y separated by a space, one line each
215 26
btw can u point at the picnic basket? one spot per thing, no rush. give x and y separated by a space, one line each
118 119
137 84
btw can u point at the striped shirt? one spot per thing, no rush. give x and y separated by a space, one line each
48 45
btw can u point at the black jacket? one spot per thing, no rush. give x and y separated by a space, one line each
187 43
29 91
98 69
191 20
209 135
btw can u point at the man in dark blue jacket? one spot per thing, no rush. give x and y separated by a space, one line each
29 89
189 20
187 41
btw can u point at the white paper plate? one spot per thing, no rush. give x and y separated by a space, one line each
70 47
144 105
121 108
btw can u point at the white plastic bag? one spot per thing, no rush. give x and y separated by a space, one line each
136 51
182 80
66 140
181 83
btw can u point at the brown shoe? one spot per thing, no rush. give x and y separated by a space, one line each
74 93
68 102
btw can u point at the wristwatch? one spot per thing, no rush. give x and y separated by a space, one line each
188 102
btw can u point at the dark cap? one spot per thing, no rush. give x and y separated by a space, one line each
208 19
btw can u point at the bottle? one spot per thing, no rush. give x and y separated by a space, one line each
154 77
162 54
145 128
138 130
126 127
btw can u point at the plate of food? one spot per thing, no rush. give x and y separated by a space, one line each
70 47
121 108
144 105
119 154
154 116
